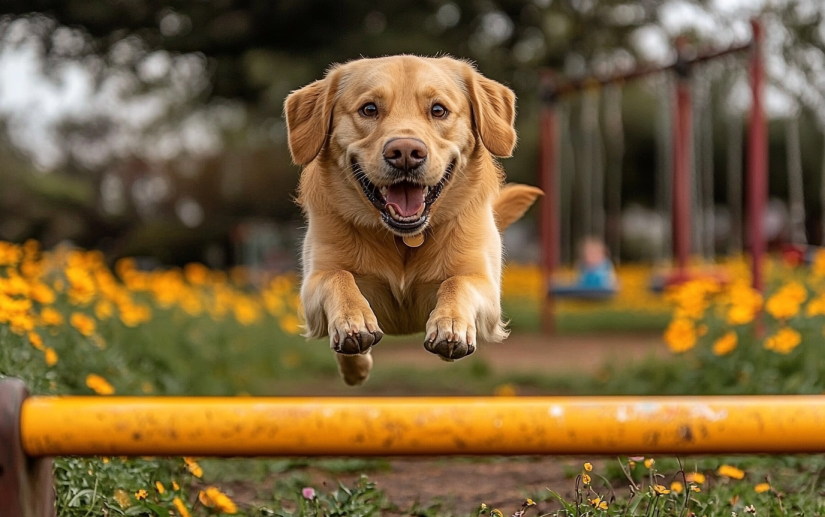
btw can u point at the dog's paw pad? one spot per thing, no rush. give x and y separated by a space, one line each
351 336
450 339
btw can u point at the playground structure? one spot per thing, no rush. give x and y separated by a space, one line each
33 429
681 147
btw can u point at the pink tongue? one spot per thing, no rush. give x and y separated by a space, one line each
405 198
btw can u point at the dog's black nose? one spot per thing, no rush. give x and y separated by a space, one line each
405 153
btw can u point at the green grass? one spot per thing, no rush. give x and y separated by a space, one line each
524 316
175 354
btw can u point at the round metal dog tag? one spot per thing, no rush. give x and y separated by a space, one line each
414 241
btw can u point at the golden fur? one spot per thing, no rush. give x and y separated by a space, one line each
360 279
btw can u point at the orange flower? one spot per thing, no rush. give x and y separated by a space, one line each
51 356
695 477
680 335
784 341
50 317
99 385
83 323
193 467
729 471
182 510
725 344
214 498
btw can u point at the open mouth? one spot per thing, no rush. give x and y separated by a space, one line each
404 205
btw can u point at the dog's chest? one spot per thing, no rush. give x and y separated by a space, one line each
401 303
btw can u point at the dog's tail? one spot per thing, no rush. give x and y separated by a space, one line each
513 200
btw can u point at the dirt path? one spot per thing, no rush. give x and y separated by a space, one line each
531 352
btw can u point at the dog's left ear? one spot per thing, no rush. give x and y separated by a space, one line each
308 113
494 112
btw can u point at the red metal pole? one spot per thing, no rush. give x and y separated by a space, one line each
549 216
682 131
757 159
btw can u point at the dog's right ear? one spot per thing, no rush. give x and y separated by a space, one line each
308 113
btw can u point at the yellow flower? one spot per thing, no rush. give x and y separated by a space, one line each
51 356
816 307
505 390
695 488
36 341
730 472
761 488
290 324
141 494
496 513
649 462
818 265
246 311
677 487
725 344
785 303
99 385
588 466
175 485
160 488
82 323
182 510
598 503
585 479
660 490
193 467
680 335
214 498
10 254
784 341
50 317
104 309
196 274
122 497
747 302
695 477
42 294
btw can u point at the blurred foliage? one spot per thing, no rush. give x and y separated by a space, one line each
222 69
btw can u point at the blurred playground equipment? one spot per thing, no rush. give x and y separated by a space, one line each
580 165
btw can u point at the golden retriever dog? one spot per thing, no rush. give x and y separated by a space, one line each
405 204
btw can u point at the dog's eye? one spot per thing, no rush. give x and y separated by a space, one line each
438 111
369 110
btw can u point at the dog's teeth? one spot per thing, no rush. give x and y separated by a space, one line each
384 191
392 211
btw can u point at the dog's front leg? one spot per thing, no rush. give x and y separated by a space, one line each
467 306
331 299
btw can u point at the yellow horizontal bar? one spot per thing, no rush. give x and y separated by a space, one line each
150 426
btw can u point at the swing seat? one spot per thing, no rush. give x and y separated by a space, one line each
579 292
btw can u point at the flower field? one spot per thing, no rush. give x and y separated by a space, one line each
71 324
744 342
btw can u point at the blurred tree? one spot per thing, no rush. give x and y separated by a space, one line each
184 98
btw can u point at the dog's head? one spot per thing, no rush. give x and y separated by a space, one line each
397 131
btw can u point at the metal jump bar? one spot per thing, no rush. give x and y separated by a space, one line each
34 429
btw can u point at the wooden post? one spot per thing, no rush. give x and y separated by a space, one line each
757 159
682 152
26 488
549 215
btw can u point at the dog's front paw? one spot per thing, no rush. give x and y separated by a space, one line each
450 336
354 332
